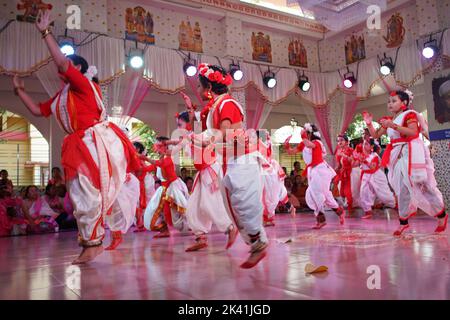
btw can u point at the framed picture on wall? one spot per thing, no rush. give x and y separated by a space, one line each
441 98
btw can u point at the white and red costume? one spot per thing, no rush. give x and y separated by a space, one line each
96 157
411 170
374 184
344 174
206 204
273 177
147 190
172 192
242 183
319 173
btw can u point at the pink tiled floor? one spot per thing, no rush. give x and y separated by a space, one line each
413 267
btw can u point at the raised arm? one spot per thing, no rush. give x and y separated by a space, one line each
43 25
19 90
376 134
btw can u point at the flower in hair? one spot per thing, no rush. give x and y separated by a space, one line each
308 127
91 72
410 95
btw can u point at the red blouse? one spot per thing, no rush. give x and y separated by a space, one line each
80 94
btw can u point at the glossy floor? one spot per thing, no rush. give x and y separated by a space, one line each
415 266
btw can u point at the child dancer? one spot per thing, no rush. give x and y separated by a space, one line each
173 192
374 183
344 157
319 173
274 190
205 205
411 170
242 185
147 188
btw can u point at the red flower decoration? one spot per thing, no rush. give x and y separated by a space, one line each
393 94
177 115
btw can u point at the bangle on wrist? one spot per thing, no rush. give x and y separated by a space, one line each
16 90
46 32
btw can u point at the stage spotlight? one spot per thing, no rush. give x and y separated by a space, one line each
430 48
66 45
136 59
349 80
269 80
303 83
190 69
386 65
236 72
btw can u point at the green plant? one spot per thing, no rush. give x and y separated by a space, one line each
147 136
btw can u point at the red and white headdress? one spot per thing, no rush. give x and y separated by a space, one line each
206 71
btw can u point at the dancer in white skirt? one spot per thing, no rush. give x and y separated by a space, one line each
411 170
241 185
172 192
374 184
273 177
205 205
147 188
319 173
97 157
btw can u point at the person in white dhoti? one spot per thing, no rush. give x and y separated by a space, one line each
242 183
319 173
168 205
374 184
274 190
147 188
97 157
411 170
205 205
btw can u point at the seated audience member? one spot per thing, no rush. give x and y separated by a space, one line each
189 183
11 223
297 171
57 177
37 209
299 190
183 174
4 181
58 205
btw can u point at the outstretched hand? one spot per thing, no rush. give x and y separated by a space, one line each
187 101
17 82
43 20
368 118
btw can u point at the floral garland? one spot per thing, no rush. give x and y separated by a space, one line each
214 76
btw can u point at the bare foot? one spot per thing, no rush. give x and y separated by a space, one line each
232 235
88 254
319 225
254 258
162 234
400 230
292 211
197 246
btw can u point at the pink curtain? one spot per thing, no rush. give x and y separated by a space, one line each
351 102
136 91
193 83
256 110
322 115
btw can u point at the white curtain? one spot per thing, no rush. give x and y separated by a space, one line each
164 68
23 51
48 76
21 48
